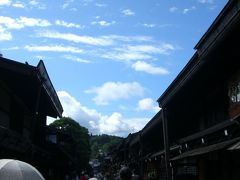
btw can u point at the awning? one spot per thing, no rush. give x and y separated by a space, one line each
159 153
235 146
206 149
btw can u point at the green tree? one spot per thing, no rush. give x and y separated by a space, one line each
80 136
103 143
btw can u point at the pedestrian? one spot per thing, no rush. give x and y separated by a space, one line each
83 177
125 173
135 175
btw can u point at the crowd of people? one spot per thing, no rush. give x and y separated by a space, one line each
125 173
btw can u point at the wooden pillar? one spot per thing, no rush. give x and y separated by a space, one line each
202 169
166 143
141 156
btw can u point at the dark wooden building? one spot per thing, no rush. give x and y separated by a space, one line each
201 106
144 151
27 97
197 132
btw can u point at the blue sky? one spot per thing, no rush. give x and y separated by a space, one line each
109 60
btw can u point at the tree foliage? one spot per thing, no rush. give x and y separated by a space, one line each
80 136
103 144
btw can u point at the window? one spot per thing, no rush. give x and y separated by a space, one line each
234 95
234 92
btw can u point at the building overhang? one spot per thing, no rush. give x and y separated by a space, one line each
226 22
152 124
24 81
206 149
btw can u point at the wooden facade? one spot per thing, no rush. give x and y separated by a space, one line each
27 98
197 135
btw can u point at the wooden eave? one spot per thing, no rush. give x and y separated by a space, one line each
211 130
155 121
159 153
24 80
228 16
206 149
135 139
179 81
223 24
48 87
130 137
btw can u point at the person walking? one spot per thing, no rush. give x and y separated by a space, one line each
125 173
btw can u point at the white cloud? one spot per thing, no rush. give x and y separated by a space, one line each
206 1
41 57
5 2
186 10
18 5
55 48
73 108
173 9
148 68
76 38
22 22
101 5
129 38
149 25
33 2
33 22
147 104
67 3
138 52
112 91
73 9
114 124
164 48
37 4
210 3
10 23
103 23
5 35
68 25
76 59
86 2
128 12
50 120
126 56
